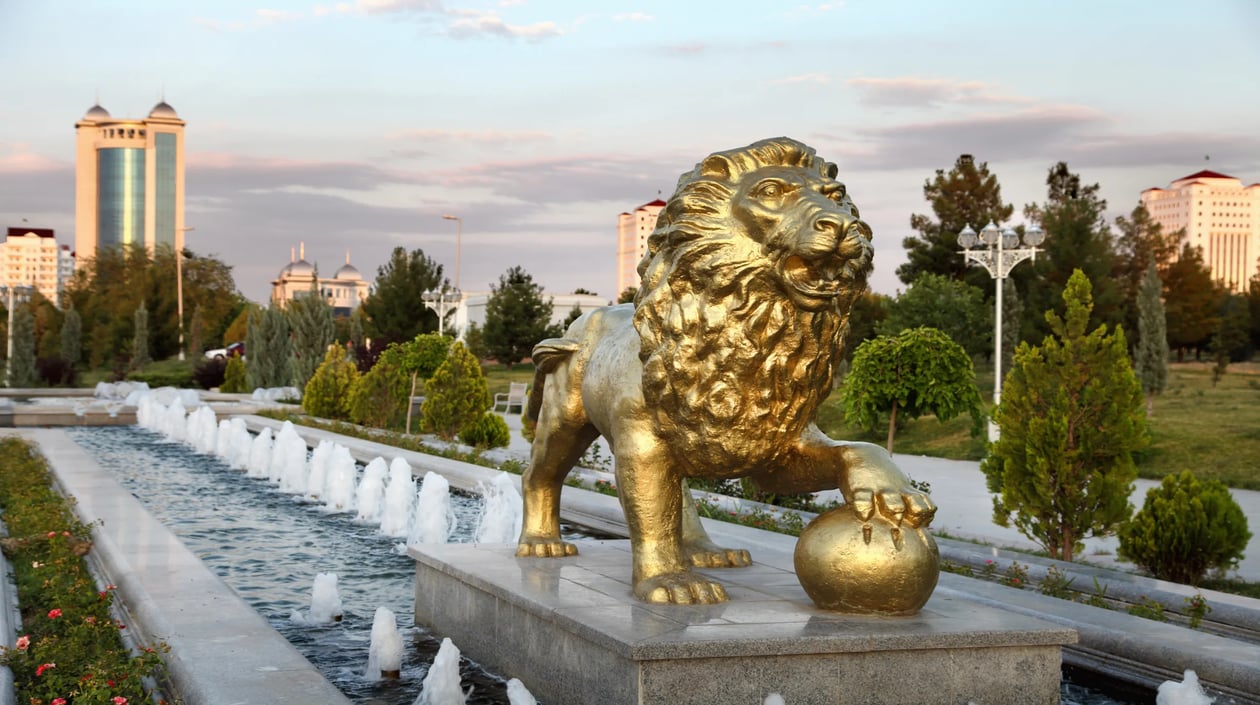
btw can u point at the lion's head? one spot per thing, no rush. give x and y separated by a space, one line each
746 288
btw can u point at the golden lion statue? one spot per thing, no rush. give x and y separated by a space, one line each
716 370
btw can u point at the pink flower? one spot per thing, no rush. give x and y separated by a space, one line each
23 642
54 613
44 667
119 700
58 701
52 534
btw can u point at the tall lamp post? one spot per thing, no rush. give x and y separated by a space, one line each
442 302
179 285
459 235
998 253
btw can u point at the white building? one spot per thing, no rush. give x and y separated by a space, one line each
1219 215
633 230
472 309
344 290
32 257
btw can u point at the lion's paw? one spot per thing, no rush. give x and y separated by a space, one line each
545 548
900 506
680 588
706 554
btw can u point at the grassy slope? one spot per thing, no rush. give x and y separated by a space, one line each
1213 431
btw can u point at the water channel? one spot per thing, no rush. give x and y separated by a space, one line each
268 546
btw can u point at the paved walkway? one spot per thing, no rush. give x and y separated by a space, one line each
966 507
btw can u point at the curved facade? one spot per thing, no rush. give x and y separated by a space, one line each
129 180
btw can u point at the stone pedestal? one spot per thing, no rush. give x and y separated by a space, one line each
572 632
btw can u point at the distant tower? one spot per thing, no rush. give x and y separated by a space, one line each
129 180
633 230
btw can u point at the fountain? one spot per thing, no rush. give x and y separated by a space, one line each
318 476
371 493
435 520
500 520
342 473
400 498
441 684
1187 692
386 650
518 694
325 602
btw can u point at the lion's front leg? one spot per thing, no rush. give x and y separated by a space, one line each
698 548
649 493
864 473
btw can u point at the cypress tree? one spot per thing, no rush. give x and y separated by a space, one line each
1071 418
311 323
140 340
1151 357
72 337
22 365
1012 314
268 349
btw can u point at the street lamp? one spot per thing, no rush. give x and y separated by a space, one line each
442 302
459 235
179 285
998 253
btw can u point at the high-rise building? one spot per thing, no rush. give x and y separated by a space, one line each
1219 215
31 257
129 180
633 230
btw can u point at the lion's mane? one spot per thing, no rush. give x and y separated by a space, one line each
734 370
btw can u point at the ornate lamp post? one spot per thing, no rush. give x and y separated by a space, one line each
998 253
442 302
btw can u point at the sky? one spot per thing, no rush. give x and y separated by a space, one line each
357 125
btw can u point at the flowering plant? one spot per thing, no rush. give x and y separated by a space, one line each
71 652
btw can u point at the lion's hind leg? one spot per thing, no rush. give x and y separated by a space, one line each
555 451
699 548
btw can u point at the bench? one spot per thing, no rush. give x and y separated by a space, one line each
517 394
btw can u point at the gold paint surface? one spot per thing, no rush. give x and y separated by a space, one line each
717 370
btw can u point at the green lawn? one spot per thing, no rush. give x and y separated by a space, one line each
499 377
1213 431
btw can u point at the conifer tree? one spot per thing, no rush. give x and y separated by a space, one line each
313 329
140 339
1151 358
196 334
968 195
22 365
517 317
268 349
327 394
456 395
1012 314
1071 418
72 337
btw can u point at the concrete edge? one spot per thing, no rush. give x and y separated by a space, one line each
191 618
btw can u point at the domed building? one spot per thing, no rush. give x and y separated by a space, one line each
344 291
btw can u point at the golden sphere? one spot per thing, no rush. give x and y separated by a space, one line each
871 567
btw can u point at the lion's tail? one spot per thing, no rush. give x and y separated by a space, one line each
547 356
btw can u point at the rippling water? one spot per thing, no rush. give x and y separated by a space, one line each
268 546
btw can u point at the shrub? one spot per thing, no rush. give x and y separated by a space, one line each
209 373
234 376
379 397
56 372
327 394
164 378
456 395
1186 527
489 431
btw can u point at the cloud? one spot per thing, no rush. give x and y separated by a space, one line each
1023 134
686 49
219 173
17 158
262 17
633 17
476 23
492 137
910 91
819 78
564 179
